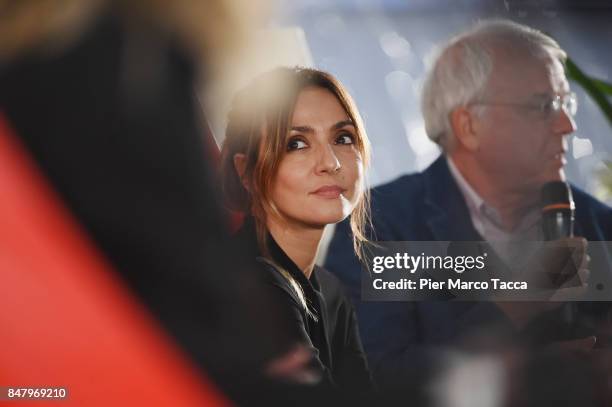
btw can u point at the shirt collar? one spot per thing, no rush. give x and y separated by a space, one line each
474 201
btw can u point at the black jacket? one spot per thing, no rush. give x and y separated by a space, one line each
329 326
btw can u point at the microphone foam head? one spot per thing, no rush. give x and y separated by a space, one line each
555 193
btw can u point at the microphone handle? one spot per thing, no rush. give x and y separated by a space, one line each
558 224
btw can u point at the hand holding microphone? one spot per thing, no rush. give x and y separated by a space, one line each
558 225
560 266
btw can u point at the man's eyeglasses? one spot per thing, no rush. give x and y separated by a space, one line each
547 108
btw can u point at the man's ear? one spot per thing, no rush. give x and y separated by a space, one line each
462 121
240 166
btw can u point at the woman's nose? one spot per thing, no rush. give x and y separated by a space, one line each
328 160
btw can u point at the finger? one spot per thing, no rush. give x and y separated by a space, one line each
584 275
579 250
579 260
574 241
587 261
578 247
577 241
291 365
576 286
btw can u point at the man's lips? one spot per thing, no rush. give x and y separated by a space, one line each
329 191
560 157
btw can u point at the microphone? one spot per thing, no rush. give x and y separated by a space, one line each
558 222
557 210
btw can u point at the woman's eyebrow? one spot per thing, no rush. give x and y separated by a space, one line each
302 129
343 123
308 129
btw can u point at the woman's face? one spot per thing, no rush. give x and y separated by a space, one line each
319 180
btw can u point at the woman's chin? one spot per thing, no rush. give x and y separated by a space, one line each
328 218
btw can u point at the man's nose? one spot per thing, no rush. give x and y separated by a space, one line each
564 122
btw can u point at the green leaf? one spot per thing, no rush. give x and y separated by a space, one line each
605 87
597 89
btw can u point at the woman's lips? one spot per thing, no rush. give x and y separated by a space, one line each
329 191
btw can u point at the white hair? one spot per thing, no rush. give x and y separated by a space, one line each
462 69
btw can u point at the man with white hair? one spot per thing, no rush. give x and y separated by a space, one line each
499 105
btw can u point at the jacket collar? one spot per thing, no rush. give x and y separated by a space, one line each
277 254
448 215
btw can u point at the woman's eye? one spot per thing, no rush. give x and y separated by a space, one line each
345 138
296 144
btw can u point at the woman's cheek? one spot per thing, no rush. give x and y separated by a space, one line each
357 175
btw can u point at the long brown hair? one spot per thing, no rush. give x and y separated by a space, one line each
258 126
